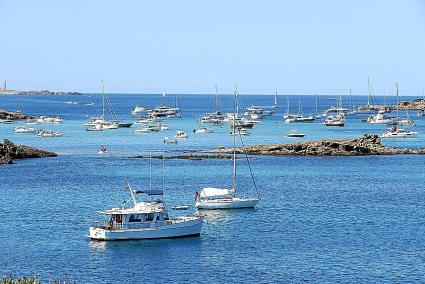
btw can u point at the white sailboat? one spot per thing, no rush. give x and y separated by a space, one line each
219 198
275 104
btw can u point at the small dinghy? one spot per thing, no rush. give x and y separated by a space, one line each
103 150
295 134
170 140
180 207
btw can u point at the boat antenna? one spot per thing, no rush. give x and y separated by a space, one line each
351 101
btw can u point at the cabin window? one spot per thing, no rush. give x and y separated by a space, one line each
117 218
135 218
150 217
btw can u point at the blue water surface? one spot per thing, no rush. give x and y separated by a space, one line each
321 219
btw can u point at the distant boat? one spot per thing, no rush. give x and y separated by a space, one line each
72 103
295 134
170 140
24 130
202 130
163 94
275 104
102 150
181 135
49 133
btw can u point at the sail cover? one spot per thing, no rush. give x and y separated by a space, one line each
214 192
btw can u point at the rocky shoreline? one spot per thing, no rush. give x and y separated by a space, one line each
9 152
363 146
5 114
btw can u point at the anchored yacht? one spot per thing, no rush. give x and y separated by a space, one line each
148 219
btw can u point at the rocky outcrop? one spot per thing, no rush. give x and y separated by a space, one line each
5 114
10 151
418 104
363 146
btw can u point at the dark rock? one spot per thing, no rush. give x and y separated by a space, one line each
362 146
10 151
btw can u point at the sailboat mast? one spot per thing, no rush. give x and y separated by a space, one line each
103 100
368 91
275 98
216 99
396 85
234 142
351 101
317 102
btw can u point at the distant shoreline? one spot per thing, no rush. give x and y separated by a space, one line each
42 92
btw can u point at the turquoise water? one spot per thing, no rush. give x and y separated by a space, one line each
321 219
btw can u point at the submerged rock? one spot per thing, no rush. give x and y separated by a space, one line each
362 146
10 151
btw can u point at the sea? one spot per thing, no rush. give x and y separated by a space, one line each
320 219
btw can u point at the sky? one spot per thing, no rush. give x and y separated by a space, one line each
293 47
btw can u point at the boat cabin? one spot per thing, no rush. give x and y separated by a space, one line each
145 214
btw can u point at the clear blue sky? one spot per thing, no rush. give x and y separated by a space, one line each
189 46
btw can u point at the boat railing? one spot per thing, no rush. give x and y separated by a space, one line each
108 225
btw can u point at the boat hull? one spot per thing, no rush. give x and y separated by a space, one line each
236 203
183 229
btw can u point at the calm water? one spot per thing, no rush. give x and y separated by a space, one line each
341 219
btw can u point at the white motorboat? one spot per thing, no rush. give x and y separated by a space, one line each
295 134
148 219
138 110
336 110
96 127
170 140
145 120
57 120
23 130
49 133
300 119
396 132
7 121
109 125
203 130
219 198
335 120
148 128
181 135
163 127
380 118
